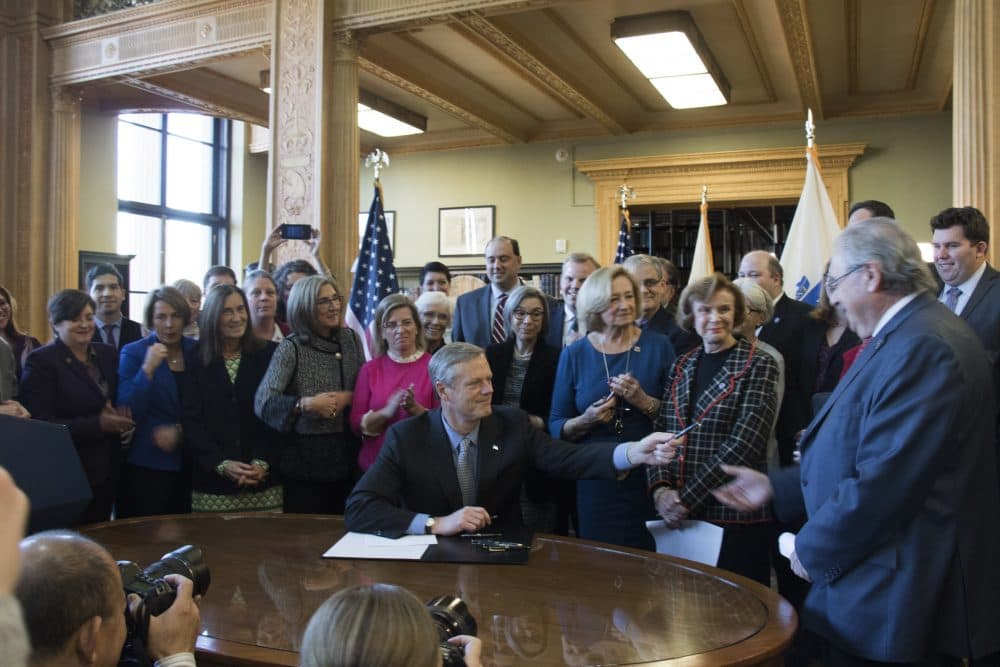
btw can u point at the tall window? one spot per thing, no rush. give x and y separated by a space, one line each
173 178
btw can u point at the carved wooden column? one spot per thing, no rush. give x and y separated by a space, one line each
63 230
25 108
342 154
975 126
295 166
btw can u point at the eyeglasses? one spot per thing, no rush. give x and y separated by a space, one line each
651 282
329 301
401 324
833 283
524 314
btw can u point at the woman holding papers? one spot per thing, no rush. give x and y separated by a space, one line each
725 392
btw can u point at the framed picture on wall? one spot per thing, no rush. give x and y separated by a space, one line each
464 231
390 224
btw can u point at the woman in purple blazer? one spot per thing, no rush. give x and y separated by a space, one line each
72 381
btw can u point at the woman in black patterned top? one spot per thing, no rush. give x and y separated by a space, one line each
233 451
307 392
728 388
524 371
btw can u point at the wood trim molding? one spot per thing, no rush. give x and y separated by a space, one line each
210 92
365 14
747 176
919 43
156 38
750 37
795 25
555 83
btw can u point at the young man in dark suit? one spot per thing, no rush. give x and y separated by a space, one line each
961 238
897 484
104 283
460 468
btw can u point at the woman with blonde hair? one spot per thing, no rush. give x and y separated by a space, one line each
380 625
605 391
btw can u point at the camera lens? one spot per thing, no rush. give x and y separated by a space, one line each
186 561
452 617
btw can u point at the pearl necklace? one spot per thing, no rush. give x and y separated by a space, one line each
405 360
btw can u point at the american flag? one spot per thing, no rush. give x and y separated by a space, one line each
624 238
375 275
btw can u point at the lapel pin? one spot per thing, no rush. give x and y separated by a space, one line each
878 343
496 447
637 349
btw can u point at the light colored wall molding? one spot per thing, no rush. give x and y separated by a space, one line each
747 176
172 34
363 14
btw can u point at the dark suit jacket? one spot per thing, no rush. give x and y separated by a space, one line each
784 332
473 320
982 312
536 394
415 471
219 421
557 318
898 484
665 322
131 332
56 387
813 335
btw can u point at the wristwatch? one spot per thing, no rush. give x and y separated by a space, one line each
429 525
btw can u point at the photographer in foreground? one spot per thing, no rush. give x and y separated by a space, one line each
74 607
340 633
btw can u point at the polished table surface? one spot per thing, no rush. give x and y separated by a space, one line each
574 603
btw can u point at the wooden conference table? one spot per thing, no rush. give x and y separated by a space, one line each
574 603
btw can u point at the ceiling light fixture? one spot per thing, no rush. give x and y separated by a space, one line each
668 49
387 119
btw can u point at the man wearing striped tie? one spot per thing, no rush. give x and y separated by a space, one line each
479 313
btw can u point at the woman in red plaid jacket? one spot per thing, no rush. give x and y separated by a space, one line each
726 390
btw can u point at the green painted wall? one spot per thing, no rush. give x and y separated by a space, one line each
539 200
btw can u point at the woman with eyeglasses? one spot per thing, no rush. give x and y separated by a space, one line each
395 384
726 391
435 310
524 372
307 391
605 391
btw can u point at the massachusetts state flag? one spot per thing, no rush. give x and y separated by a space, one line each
810 239
375 275
703 263
624 238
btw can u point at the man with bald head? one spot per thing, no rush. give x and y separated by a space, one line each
74 607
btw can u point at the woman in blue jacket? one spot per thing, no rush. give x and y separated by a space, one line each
150 379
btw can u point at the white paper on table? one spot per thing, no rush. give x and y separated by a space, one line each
699 541
361 545
786 544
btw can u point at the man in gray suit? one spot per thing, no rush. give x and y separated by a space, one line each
897 482
476 313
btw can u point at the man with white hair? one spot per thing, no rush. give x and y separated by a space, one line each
898 483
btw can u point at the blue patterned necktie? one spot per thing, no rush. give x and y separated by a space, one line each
952 299
466 472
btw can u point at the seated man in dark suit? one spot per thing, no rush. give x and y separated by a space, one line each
104 283
460 468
